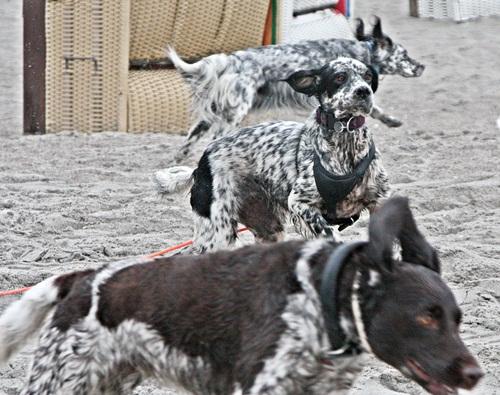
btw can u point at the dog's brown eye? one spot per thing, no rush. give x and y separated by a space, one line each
340 78
427 321
368 76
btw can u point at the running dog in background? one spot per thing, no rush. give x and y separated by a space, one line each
318 174
282 319
227 87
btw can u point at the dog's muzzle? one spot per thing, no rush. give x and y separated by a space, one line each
419 71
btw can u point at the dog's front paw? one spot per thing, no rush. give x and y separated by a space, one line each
328 233
391 122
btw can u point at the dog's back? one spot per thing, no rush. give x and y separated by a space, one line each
156 313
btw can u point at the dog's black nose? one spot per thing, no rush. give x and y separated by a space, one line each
471 374
420 70
362 93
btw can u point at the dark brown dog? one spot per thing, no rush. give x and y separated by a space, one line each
287 318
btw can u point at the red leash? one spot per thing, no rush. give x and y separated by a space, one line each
14 291
152 255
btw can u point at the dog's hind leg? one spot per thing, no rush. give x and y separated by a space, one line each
56 370
213 234
258 212
389 120
216 220
231 102
221 109
261 237
217 129
121 383
197 131
237 105
228 119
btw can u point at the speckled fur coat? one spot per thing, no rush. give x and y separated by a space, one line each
227 87
262 176
255 321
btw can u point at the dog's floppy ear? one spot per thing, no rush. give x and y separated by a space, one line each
304 81
360 29
374 82
377 28
394 220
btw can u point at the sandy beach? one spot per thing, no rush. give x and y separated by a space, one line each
72 200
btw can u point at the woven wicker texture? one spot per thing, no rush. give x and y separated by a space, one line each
55 100
83 72
458 10
433 8
194 28
86 66
242 25
89 43
151 27
158 101
115 63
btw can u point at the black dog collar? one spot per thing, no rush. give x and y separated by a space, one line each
327 120
334 188
341 345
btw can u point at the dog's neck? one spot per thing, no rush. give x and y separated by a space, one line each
339 152
358 287
370 48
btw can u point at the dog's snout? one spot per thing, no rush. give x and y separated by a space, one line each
471 374
420 69
362 92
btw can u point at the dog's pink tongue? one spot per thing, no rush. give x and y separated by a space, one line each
357 122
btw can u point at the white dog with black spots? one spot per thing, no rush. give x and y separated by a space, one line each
318 174
225 88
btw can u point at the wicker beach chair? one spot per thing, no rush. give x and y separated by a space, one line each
85 57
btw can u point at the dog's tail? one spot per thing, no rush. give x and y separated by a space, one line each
184 67
200 75
173 179
205 69
23 318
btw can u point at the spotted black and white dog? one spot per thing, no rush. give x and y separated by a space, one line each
318 174
282 319
227 87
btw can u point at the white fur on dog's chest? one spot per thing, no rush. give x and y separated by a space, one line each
337 378
299 364
359 197
301 352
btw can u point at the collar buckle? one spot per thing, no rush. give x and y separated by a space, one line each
339 126
332 354
348 350
330 122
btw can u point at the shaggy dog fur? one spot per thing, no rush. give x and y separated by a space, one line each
227 87
260 320
265 175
